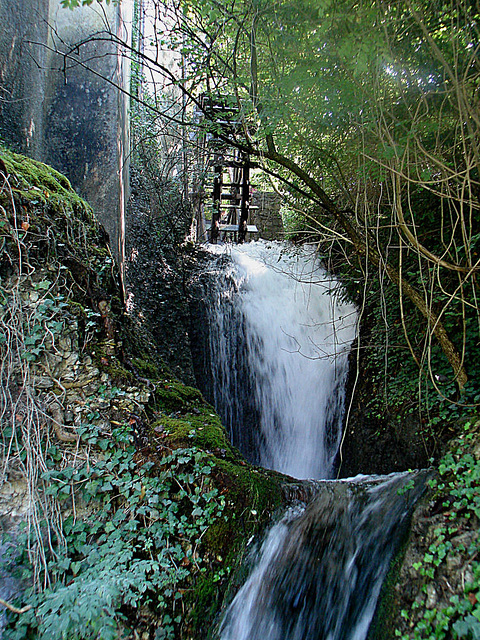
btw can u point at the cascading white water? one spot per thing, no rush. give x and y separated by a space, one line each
319 572
280 331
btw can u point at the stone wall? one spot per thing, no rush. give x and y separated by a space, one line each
267 217
68 110
23 71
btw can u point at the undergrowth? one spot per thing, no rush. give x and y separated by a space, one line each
404 386
456 491
131 542
132 500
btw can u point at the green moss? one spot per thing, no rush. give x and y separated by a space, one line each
37 182
56 227
101 351
201 429
262 488
204 608
253 495
146 368
175 396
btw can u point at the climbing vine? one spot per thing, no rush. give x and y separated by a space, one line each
454 539
130 540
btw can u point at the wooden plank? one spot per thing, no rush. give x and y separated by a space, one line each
236 206
251 228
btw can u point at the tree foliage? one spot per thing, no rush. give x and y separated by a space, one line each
370 111
366 114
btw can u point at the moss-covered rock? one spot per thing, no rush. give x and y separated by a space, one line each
37 182
253 496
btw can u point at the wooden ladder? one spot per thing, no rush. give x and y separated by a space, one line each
231 198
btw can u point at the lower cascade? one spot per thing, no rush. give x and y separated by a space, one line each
279 335
320 570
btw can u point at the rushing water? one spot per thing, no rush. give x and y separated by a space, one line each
279 337
280 334
320 569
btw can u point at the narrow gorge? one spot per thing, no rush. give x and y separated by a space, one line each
240 380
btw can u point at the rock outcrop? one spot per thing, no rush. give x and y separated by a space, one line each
130 491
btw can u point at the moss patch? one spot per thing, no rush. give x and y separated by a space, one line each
201 428
383 624
175 396
37 182
49 224
146 367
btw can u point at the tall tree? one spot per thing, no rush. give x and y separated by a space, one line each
364 106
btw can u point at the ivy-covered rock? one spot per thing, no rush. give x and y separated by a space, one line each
136 506
436 592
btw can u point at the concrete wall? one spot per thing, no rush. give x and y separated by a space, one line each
65 109
23 73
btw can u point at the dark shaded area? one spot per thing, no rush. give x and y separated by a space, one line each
157 266
378 443
89 156
227 383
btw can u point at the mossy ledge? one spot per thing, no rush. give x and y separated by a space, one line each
144 507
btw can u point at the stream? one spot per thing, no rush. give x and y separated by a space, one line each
279 334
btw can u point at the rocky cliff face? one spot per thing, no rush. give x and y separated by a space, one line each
433 590
123 475
157 267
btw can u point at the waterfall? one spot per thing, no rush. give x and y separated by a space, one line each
320 569
280 333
